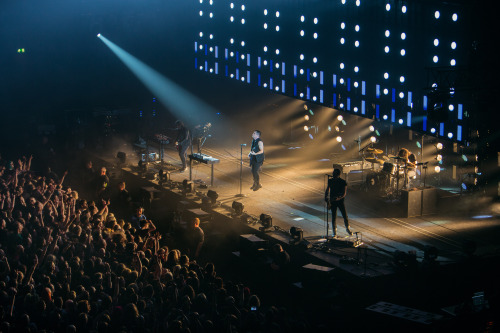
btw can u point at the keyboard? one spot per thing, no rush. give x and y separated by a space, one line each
203 158
346 167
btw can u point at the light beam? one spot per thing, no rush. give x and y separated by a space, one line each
187 107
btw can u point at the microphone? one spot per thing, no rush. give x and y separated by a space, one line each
243 144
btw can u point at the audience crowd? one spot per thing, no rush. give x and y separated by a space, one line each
69 264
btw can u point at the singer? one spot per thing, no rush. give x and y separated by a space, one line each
337 188
256 159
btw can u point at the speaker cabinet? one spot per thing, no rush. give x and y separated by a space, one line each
429 201
411 202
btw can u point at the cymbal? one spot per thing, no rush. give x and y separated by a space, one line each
386 158
375 151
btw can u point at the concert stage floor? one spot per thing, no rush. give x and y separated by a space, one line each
293 193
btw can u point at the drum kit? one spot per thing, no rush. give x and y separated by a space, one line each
393 174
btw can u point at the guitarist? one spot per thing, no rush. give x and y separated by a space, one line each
256 159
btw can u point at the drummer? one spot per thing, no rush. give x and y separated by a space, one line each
410 163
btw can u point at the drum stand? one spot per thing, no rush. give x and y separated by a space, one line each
397 179
405 185
362 153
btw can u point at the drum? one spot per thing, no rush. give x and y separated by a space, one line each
372 181
388 168
377 181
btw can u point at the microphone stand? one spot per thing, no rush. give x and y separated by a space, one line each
425 171
327 208
241 195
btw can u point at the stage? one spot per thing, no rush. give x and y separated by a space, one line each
293 194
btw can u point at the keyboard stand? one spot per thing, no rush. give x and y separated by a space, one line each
191 170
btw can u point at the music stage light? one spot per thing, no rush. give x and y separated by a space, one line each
297 234
213 196
339 139
266 220
238 207
373 139
439 146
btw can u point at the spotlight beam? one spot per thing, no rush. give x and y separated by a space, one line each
182 103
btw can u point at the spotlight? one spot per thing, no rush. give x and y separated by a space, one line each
340 118
98 35
266 220
339 139
439 146
213 196
437 169
306 117
372 128
439 157
238 207
297 234
373 139
306 128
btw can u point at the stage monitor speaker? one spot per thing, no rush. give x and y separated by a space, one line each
252 246
429 201
411 202
190 214
183 205
316 277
